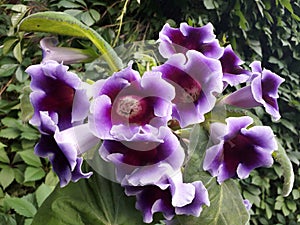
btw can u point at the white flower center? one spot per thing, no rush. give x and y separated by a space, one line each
129 106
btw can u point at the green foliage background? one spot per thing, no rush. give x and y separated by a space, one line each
266 30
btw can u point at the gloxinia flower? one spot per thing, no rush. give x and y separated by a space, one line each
59 92
139 163
197 79
128 107
180 40
64 55
233 73
174 198
63 154
237 149
262 91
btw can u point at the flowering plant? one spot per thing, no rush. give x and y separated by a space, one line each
170 138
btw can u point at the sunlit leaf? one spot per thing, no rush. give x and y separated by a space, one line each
30 158
42 193
33 173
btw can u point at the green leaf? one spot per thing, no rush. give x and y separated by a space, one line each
73 12
21 11
287 167
87 18
68 4
10 122
30 158
33 174
7 70
289 126
21 75
21 206
27 221
3 155
51 179
7 45
198 143
94 201
256 47
96 15
25 104
287 4
7 176
18 52
209 4
7 219
9 133
64 24
19 174
42 193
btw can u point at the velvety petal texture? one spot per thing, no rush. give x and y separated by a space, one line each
233 73
130 107
142 162
53 90
239 149
184 38
60 101
62 154
197 80
262 91
176 198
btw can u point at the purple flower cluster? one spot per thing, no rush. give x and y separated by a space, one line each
130 114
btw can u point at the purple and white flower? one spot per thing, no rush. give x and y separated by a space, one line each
197 79
59 92
62 152
238 149
128 107
140 163
172 198
233 73
64 55
262 91
184 38
60 102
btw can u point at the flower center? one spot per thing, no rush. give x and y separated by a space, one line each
130 106
133 109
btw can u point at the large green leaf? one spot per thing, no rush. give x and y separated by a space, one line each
94 201
226 203
65 24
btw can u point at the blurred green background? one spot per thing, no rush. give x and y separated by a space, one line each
265 30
